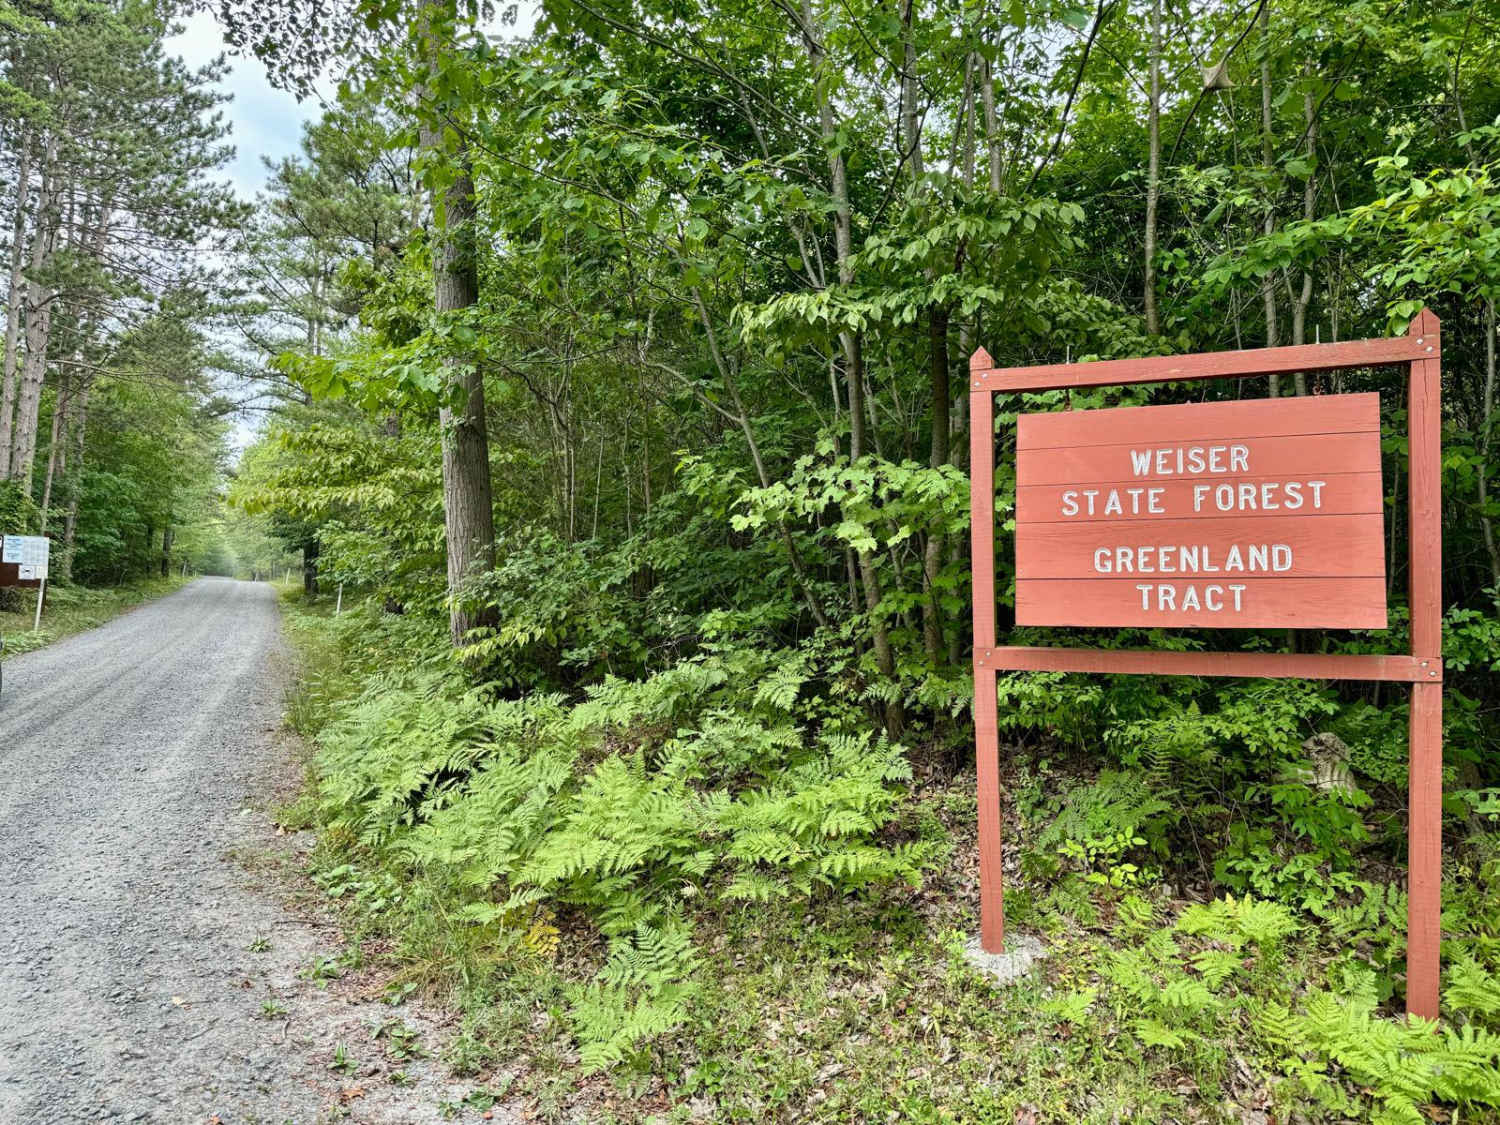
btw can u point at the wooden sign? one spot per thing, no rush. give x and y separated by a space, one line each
1250 514
1254 514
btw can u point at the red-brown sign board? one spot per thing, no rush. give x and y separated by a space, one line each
1255 514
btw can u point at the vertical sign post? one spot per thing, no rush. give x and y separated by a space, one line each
1225 515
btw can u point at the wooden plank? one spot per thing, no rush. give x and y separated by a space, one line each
1424 834
1206 365
1275 548
1150 662
991 845
1306 456
1341 494
1425 731
1424 501
986 721
1264 603
1201 421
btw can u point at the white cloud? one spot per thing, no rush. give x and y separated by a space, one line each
266 122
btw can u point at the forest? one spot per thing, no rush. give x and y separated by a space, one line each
609 361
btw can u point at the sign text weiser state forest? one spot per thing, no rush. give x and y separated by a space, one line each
1255 514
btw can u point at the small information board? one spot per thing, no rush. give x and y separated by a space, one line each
24 559
1255 514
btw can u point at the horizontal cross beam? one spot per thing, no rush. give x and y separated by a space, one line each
1152 662
985 377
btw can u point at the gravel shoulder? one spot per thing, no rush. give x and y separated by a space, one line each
136 959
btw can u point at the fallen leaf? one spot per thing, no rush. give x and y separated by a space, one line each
179 1001
349 1093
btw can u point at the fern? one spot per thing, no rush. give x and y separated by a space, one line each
691 781
1471 988
1155 1034
1405 1065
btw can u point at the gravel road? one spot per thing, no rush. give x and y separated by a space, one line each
135 959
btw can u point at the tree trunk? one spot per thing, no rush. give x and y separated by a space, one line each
1486 426
55 449
468 504
75 479
991 126
38 327
731 384
932 560
1309 209
1153 172
310 568
13 303
1268 159
167 535
880 641
911 121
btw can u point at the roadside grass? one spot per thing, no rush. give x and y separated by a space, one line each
72 609
1155 1003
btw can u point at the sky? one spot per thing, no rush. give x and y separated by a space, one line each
266 122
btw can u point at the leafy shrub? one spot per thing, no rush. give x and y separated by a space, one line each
18 512
1094 826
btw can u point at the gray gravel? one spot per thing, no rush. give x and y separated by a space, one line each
134 759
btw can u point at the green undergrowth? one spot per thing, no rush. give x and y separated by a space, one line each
71 609
709 894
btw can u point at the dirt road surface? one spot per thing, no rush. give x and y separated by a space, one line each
136 960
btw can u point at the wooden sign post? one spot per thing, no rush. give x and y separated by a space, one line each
1252 514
